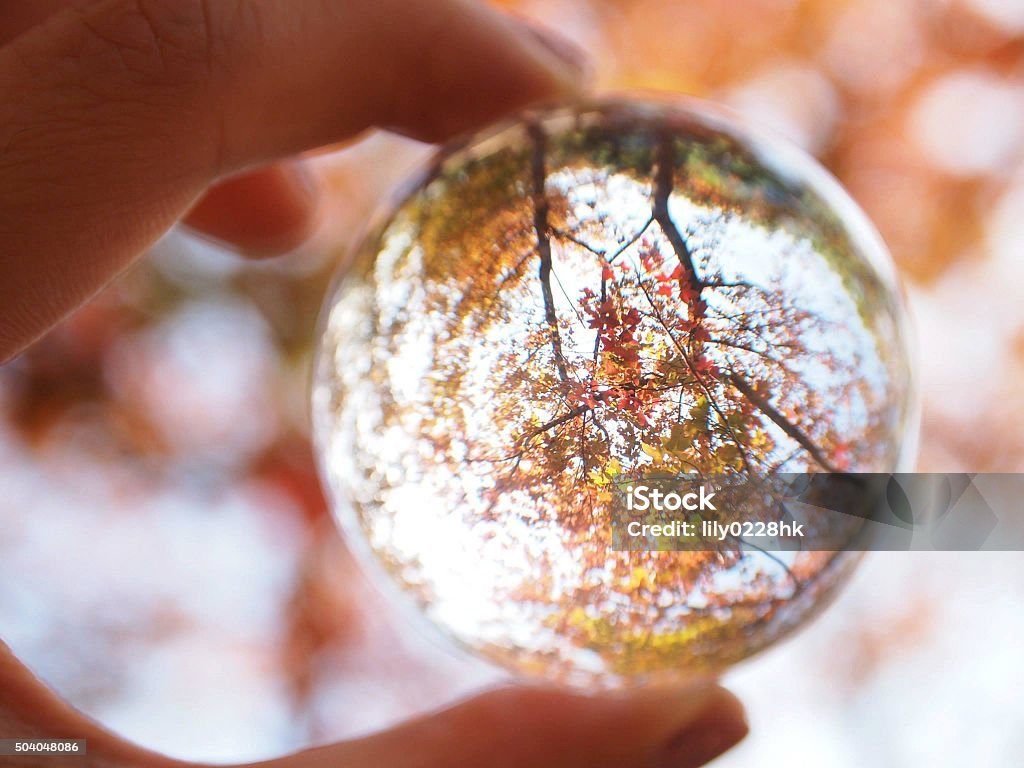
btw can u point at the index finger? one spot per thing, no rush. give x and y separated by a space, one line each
114 118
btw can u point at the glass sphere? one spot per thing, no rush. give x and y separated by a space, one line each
593 292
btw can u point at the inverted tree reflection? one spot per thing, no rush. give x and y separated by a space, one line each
588 298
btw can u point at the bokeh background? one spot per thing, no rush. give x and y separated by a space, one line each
167 562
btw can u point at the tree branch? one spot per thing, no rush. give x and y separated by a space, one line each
555 422
663 183
585 246
697 377
769 410
541 207
626 245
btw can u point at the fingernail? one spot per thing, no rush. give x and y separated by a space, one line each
570 58
714 731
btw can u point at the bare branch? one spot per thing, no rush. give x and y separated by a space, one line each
663 183
625 246
541 207
573 239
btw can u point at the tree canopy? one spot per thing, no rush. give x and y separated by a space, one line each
588 297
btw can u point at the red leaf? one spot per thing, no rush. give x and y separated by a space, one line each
687 294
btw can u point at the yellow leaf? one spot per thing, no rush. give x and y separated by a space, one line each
651 451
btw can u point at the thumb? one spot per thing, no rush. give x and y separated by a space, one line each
680 727
116 116
536 728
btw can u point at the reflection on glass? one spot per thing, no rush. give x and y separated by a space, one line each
617 289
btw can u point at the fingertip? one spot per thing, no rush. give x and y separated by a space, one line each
261 213
573 68
680 725
683 725
718 727
485 64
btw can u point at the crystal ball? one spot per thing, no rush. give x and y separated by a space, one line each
591 292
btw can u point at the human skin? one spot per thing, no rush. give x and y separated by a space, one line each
119 118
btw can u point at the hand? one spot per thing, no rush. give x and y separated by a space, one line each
117 116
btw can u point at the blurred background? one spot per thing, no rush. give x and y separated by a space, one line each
167 562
